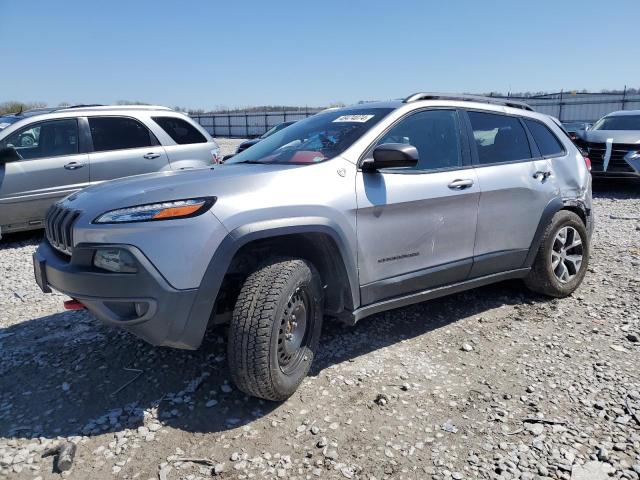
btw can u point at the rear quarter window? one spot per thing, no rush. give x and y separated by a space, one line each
181 131
547 142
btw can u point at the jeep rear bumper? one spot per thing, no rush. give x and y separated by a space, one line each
142 303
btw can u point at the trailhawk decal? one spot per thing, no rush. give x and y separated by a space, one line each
398 257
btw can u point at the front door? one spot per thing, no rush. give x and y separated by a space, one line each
416 226
52 166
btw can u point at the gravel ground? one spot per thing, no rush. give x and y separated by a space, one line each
492 383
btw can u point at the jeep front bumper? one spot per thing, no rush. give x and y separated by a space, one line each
143 303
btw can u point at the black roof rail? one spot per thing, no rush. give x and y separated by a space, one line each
467 98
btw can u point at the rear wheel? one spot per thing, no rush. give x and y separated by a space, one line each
275 329
562 259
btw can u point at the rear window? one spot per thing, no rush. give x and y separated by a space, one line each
181 131
499 138
547 142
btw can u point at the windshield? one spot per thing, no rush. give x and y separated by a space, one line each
618 122
315 139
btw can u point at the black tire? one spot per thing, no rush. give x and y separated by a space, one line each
260 358
543 277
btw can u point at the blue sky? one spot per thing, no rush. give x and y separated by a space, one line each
202 54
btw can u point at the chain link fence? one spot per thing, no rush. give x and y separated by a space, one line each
248 124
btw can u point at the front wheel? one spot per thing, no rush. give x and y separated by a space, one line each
275 328
562 259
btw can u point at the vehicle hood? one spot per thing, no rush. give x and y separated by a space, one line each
619 136
172 185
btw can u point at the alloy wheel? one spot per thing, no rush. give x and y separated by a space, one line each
567 254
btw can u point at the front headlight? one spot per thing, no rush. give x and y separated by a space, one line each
158 211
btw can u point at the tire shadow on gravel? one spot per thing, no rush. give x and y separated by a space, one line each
340 343
66 374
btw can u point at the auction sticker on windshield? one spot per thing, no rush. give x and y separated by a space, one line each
353 118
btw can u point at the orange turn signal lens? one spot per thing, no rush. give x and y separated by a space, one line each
183 211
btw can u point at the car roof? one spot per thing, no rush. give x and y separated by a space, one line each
621 113
88 111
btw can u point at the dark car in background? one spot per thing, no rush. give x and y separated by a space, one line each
573 128
613 145
248 143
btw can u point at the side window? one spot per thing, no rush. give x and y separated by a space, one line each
119 133
181 131
499 138
53 138
434 133
547 142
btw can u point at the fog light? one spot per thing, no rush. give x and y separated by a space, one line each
115 260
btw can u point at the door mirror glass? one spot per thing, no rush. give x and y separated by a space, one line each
392 155
9 154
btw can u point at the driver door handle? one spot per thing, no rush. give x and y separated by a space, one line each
151 155
73 166
461 184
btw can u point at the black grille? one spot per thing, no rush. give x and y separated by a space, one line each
58 227
616 162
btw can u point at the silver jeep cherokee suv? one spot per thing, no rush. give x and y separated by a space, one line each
345 214
47 156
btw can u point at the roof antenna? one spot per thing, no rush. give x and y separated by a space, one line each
20 112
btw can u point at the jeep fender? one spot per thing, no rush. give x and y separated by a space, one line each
236 239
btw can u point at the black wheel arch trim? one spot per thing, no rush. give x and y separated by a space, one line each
236 239
553 207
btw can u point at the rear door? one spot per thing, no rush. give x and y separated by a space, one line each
186 143
123 146
416 226
54 164
515 185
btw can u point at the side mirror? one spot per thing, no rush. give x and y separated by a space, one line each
392 155
9 154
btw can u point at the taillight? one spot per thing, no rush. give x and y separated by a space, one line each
585 156
215 156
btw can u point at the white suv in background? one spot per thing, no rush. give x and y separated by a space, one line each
75 147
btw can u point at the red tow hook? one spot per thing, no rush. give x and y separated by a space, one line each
73 304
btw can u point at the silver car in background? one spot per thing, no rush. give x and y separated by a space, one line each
72 148
613 145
